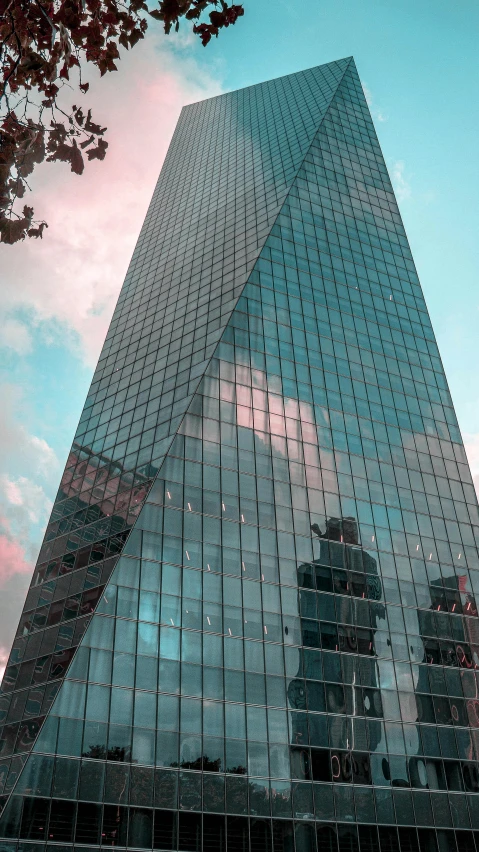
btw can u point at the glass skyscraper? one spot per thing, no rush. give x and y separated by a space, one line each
253 624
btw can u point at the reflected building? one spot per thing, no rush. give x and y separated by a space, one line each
252 624
345 624
450 658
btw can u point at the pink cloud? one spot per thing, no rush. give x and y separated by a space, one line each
12 559
15 572
471 445
69 282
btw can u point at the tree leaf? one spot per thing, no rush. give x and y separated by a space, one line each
76 159
99 152
90 127
38 232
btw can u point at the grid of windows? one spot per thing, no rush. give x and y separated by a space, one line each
173 307
284 651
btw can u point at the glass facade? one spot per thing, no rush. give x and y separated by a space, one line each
253 623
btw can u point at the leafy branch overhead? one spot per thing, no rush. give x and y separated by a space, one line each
45 45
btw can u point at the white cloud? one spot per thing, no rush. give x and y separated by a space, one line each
375 111
24 512
367 93
29 472
25 499
24 507
45 456
16 336
17 446
401 184
11 490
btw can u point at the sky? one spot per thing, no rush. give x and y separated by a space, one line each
417 60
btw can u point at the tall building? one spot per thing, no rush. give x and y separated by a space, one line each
252 626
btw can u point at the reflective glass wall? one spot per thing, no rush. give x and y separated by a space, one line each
284 651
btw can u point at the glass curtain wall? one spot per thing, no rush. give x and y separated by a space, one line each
283 649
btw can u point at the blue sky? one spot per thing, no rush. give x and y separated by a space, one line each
418 62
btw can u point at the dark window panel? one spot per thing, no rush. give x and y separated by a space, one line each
327 837
12 816
34 818
214 833
115 826
140 829
260 835
189 832
88 825
62 821
165 830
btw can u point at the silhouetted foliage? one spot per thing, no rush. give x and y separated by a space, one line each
45 45
201 763
100 752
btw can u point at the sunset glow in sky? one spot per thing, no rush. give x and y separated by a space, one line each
418 63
